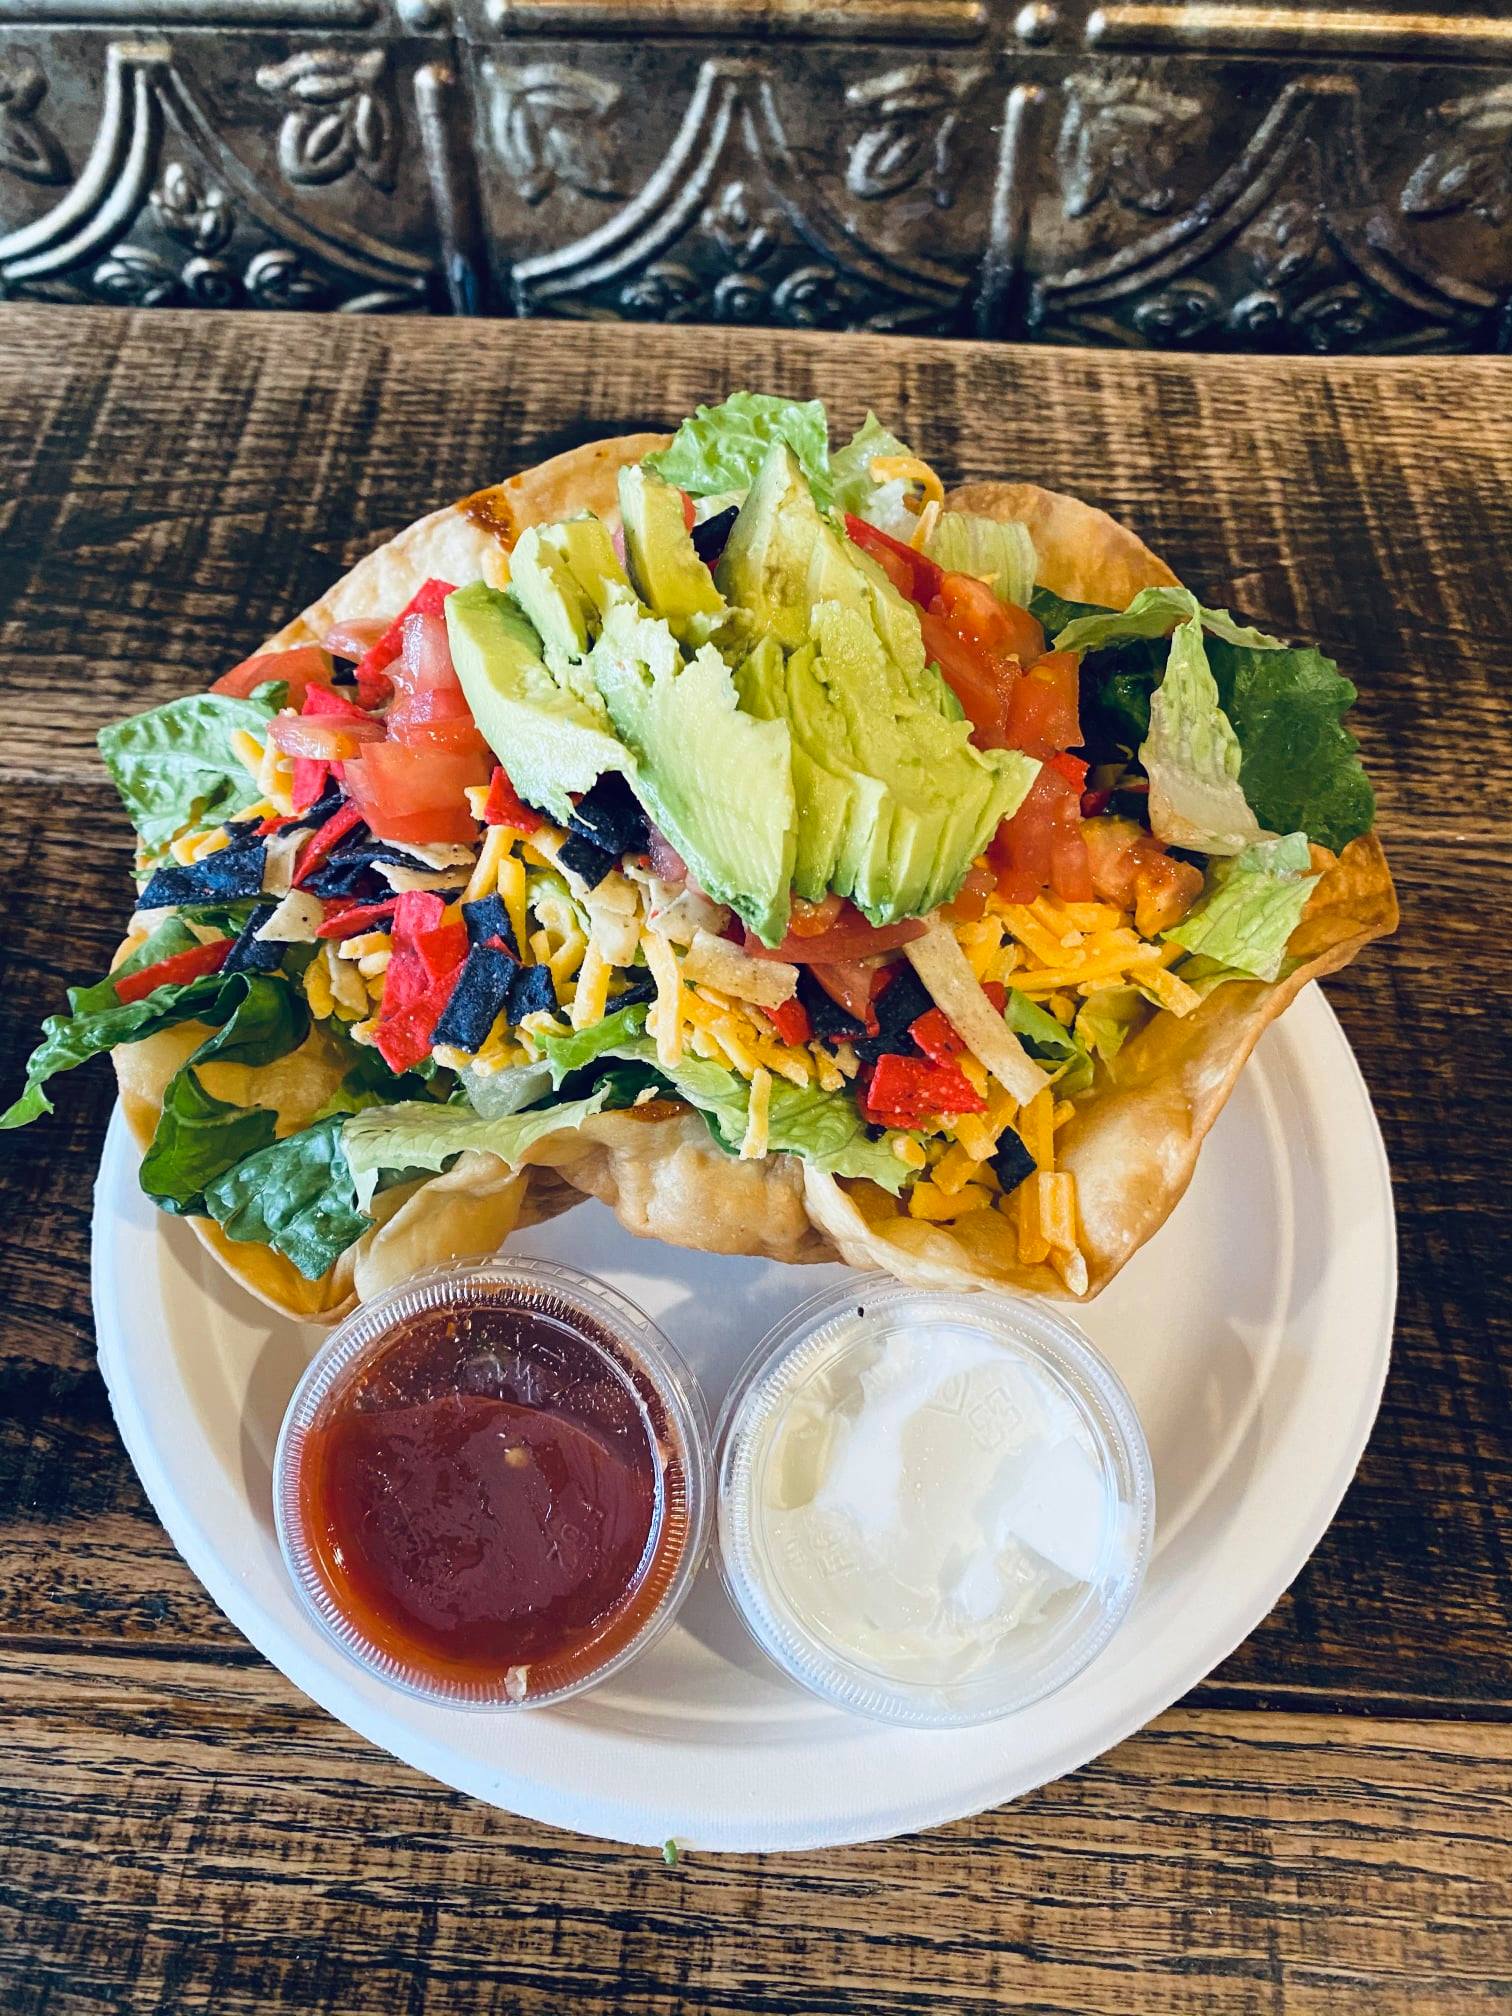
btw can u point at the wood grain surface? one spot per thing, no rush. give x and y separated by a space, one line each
1323 1825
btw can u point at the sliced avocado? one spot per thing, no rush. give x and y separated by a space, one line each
718 782
671 579
565 577
551 739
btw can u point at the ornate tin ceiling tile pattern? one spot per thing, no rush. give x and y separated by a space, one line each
1208 173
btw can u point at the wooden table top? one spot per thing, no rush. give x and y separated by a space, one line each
1322 1825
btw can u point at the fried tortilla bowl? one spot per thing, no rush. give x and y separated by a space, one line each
1132 1144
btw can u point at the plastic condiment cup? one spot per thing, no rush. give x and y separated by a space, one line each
807 1581
578 1322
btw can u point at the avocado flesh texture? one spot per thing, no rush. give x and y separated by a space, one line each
551 739
717 780
663 561
565 577
866 709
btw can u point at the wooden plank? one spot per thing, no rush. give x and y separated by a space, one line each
201 1841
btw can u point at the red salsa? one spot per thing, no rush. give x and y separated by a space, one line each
484 1496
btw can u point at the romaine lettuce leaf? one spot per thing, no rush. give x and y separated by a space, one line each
199 1136
1250 907
419 1136
97 1022
1155 612
565 1054
1001 554
1300 769
174 765
859 492
296 1195
721 447
1192 756
1058 1048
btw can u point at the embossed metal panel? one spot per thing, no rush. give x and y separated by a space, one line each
1213 173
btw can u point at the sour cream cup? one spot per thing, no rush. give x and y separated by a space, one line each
542 1396
933 1508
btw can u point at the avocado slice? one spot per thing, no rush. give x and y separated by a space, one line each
663 561
717 780
553 740
565 577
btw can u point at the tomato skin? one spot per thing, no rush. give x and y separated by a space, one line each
322 740
1002 629
903 563
981 685
1042 709
430 709
852 985
970 901
811 920
850 937
1070 871
407 793
306 662
1022 849
1129 867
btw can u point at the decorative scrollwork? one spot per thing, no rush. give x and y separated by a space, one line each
27 148
744 230
1178 314
1122 137
1285 241
665 292
1472 170
133 277
211 283
279 278
196 216
911 115
547 124
338 119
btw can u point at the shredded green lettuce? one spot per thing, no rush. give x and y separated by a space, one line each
1250 908
1000 554
1155 612
419 1136
1107 1018
859 492
721 447
1058 1048
174 766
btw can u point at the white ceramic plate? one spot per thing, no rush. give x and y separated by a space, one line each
1253 1334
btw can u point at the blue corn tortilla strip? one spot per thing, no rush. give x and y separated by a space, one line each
330 801
828 1020
640 987
1012 1162
609 816
479 997
900 1004
712 535
531 992
218 878
591 862
251 954
487 920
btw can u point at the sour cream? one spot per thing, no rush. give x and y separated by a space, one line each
932 1505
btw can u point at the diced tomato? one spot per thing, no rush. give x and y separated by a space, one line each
355 637
812 920
975 613
911 1086
689 515
970 900
1072 768
1130 868
853 985
506 807
372 683
324 838
936 1036
345 920
666 863
996 993
173 971
791 1021
981 684
413 794
1094 803
1042 710
1070 872
431 710
912 573
848 937
322 739
1022 849
298 667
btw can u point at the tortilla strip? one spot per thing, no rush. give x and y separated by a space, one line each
1132 1144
